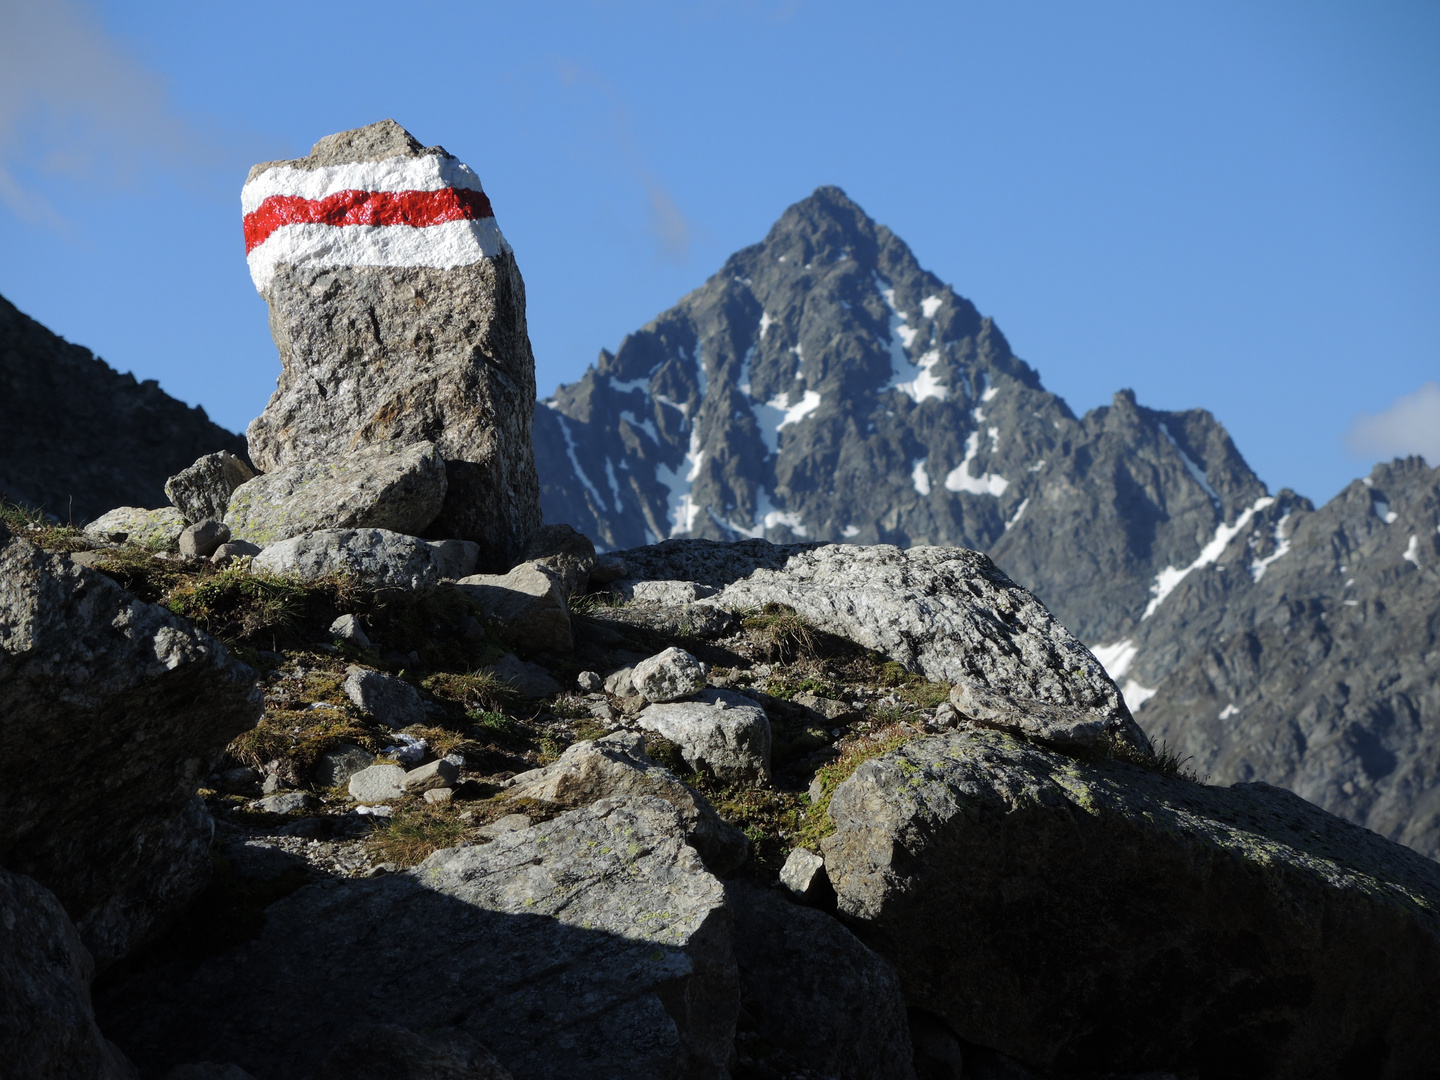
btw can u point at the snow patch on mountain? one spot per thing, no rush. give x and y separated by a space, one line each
1167 579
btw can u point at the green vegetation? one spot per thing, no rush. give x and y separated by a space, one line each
778 633
416 831
39 530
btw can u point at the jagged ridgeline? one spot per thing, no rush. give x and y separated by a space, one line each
824 386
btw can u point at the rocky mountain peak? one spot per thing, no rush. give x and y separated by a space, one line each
824 386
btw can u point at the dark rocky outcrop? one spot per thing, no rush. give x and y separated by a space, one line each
401 320
1098 917
47 1025
77 438
138 705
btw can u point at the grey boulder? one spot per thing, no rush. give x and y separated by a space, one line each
231 550
526 679
434 349
285 802
720 732
567 554
203 490
820 1000
392 701
528 601
617 765
158 530
203 538
378 558
47 1024
377 784
139 705
430 777
592 946
1100 917
378 487
1060 726
668 676
803 874
335 767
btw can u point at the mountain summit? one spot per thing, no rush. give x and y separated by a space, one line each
824 386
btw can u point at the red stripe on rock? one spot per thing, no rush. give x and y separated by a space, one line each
414 208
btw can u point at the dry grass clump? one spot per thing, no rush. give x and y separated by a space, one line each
417 831
297 739
35 527
473 692
777 633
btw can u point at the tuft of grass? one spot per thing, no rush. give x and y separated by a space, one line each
416 832
37 528
241 604
778 633
498 726
139 571
1166 761
474 691
585 603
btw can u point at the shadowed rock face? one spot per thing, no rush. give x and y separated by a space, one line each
77 438
389 342
1101 918
134 706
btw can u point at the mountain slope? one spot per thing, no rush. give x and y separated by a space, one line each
77 438
824 386
1308 655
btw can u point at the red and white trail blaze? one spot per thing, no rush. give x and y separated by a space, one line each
402 211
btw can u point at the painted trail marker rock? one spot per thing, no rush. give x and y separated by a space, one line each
399 314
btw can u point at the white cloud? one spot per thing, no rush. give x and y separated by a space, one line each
76 103
1411 425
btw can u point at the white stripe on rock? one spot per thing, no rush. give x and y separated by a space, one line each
429 173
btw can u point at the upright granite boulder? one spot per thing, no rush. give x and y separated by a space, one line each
112 712
203 489
399 313
1097 917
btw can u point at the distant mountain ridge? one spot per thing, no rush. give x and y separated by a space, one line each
77 438
823 386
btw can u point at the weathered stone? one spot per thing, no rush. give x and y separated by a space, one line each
621 682
158 530
231 550
565 553
507 824
439 796
392 701
377 784
1062 727
720 732
948 613
820 1000
47 1025
348 628
589 682
399 489
617 765
139 705
526 679
391 1052
663 592
1100 917
398 334
608 569
668 676
423 778
529 602
803 873
203 490
203 538
835 712
285 802
701 620
589 947
378 558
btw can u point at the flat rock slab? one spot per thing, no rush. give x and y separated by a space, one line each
393 333
948 613
1102 917
379 558
377 487
720 731
668 676
137 706
47 1024
377 784
594 945
158 530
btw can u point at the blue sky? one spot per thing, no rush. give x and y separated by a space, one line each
1226 205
